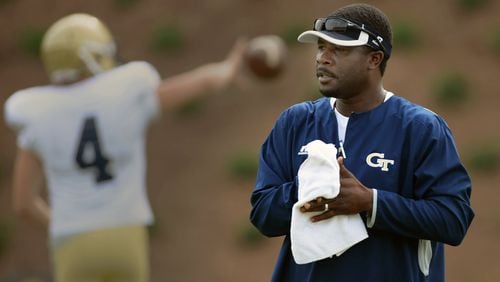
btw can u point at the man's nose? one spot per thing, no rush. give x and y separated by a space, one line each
324 57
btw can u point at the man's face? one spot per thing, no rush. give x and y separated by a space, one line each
342 71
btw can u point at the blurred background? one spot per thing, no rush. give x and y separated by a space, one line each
203 158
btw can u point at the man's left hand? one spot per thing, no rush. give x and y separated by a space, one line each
353 198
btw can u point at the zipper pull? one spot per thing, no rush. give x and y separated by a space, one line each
341 149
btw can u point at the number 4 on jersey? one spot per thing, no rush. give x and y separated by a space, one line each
89 137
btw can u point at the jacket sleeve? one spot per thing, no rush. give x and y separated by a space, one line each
275 190
440 210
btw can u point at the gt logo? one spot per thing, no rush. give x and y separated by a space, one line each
379 161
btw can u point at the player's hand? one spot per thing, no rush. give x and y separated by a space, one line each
353 198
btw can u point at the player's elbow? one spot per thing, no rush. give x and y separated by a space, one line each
455 239
270 214
260 216
457 234
266 224
266 229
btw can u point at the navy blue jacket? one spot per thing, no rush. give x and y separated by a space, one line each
424 194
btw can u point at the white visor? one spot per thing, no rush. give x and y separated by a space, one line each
311 36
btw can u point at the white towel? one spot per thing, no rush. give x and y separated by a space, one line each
318 176
424 255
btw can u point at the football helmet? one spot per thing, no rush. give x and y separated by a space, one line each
77 46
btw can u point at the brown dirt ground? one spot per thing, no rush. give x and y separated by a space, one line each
200 209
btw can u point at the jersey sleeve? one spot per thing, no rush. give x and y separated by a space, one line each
275 190
146 79
440 210
17 117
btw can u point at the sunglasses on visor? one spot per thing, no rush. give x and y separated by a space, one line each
335 24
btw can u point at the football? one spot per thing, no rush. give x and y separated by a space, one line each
265 56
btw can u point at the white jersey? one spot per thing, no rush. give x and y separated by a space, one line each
90 137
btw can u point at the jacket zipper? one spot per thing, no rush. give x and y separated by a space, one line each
341 149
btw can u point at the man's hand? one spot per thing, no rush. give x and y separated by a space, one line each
353 198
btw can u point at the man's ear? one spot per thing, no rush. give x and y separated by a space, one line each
375 59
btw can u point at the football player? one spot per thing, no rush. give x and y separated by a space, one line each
85 134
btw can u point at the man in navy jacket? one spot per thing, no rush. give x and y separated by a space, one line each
399 167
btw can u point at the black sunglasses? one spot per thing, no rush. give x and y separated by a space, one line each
337 24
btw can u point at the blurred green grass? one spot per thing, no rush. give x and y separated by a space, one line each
30 40
5 2
484 158
291 32
243 165
191 109
249 236
405 35
451 88
125 4
6 226
495 40
471 5
2 174
167 39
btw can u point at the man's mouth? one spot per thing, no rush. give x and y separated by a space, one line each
324 76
